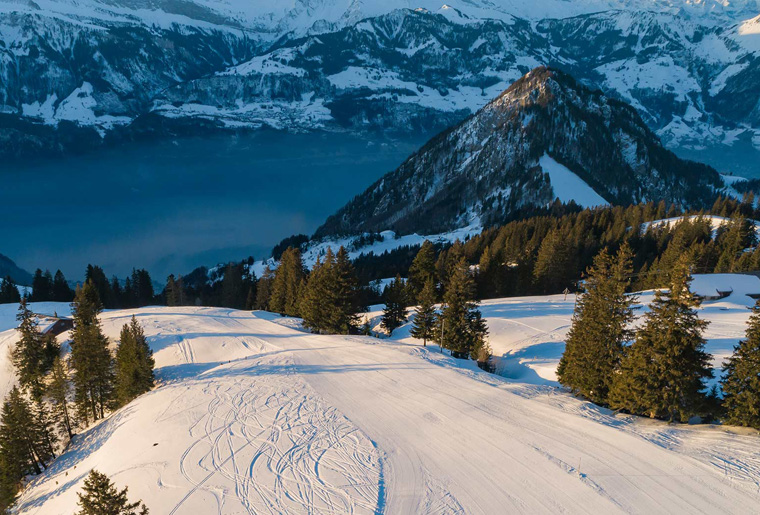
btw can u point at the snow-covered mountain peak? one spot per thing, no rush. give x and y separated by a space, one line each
547 137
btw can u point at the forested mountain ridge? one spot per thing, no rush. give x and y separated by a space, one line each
498 162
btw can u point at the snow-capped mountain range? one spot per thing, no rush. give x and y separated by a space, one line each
690 67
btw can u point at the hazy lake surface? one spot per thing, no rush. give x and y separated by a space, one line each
170 206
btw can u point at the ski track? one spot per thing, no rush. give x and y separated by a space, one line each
270 420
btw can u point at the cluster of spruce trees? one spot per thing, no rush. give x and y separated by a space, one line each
233 286
39 416
459 326
660 369
327 297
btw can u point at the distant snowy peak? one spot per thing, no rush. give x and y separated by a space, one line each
544 138
273 19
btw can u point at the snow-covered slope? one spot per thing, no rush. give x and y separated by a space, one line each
256 417
527 333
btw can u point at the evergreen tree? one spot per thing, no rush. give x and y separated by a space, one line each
287 280
91 359
61 290
250 298
394 312
134 363
8 292
600 328
42 286
264 289
317 295
347 294
43 431
423 326
142 288
58 391
97 277
26 438
461 326
422 269
663 372
170 292
100 497
741 383
554 263
233 291
33 353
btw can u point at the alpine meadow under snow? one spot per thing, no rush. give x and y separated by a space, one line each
253 415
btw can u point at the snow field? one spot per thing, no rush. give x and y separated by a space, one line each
253 415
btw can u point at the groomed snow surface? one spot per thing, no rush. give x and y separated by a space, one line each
253 415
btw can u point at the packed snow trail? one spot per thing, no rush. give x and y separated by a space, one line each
256 417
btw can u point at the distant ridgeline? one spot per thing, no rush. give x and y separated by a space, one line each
67 78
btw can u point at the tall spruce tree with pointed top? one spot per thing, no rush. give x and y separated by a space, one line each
99 496
9 294
34 352
394 312
423 326
346 294
170 291
317 295
741 382
264 288
58 392
663 373
134 363
600 328
286 283
461 328
422 269
91 359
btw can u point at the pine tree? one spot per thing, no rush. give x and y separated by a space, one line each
58 391
461 326
170 292
97 277
663 372
264 289
423 326
26 438
100 497
134 363
33 353
43 430
42 286
554 263
317 296
91 359
346 294
422 269
600 328
394 312
741 383
61 290
8 292
287 280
